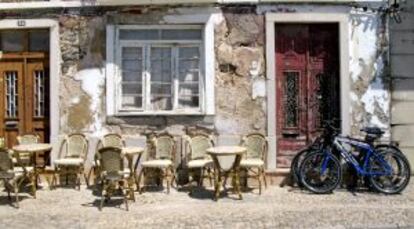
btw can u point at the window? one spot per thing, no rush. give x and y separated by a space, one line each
160 70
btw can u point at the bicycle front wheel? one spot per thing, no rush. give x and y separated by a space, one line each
389 171
320 172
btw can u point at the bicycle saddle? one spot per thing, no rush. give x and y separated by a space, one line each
373 131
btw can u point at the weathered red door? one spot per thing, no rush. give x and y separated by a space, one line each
307 84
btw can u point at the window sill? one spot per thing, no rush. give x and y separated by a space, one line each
159 113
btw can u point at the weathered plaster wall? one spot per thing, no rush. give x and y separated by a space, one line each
239 70
240 62
370 95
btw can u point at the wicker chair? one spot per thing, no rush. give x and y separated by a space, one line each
26 158
2 143
113 174
108 140
254 161
75 146
12 177
164 146
198 158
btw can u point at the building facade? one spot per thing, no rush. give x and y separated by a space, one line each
223 67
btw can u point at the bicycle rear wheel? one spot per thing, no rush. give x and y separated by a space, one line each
399 177
320 172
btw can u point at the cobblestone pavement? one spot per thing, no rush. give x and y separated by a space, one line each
275 208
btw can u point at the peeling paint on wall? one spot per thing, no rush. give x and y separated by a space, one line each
368 50
92 83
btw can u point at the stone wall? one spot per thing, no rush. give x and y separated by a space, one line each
239 61
240 82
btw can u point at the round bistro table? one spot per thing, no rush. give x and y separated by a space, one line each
130 152
218 154
33 149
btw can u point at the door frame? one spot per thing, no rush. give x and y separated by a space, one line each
306 18
54 67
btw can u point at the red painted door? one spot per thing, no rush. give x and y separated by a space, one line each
307 84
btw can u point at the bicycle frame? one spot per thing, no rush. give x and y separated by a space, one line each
363 147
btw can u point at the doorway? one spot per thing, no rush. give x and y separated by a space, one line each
24 84
307 84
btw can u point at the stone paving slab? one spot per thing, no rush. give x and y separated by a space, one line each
275 208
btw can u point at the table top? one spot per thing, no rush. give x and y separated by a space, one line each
226 150
32 148
132 150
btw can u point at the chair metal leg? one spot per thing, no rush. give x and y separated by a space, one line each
7 186
33 181
16 192
259 176
78 177
104 187
167 177
88 177
173 178
139 180
200 182
264 177
127 193
209 176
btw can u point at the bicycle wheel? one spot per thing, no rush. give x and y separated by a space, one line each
399 177
295 165
320 172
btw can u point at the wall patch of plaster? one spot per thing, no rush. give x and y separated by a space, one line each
92 82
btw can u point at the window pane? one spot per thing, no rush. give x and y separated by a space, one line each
143 34
161 89
131 76
189 53
161 72
189 76
39 40
12 41
161 103
181 34
188 101
132 88
132 53
188 89
129 102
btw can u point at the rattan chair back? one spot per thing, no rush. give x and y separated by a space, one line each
76 146
164 147
111 160
25 140
256 145
2 143
198 146
112 140
6 164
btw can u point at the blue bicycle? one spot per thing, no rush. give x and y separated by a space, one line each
385 167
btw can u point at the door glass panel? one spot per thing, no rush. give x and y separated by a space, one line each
39 41
12 41
11 94
39 93
291 99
